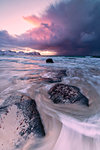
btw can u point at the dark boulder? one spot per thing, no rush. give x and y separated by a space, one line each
32 116
62 93
28 107
49 60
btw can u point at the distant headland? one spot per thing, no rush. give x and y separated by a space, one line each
13 53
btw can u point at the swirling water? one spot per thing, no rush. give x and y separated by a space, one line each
67 126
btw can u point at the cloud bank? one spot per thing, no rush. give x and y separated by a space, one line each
68 28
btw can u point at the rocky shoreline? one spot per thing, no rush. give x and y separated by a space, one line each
59 93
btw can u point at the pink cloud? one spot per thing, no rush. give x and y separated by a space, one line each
37 21
33 20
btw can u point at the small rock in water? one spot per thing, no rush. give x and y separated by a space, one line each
62 93
49 60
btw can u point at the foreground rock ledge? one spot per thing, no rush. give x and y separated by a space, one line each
29 110
62 93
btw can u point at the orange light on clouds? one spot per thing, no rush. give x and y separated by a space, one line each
34 20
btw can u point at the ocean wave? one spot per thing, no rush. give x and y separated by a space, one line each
67 126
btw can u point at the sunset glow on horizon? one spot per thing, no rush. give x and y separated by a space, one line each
47 53
44 52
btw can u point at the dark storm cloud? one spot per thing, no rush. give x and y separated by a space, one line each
5 38
69 28
8 41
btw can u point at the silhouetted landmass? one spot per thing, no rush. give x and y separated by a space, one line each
13 53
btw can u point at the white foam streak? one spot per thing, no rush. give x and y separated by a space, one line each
85 128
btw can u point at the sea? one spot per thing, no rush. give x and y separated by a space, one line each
67 126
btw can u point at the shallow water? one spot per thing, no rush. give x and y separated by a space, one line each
67 126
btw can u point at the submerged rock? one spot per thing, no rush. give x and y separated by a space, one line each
49 60
61 74
50 80
62 93
54 76
28 108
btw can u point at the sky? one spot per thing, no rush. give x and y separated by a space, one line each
13 11
51 27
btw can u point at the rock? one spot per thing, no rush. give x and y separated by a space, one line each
32 116
54 76
50 80
49 60
61 74
62 93
28 107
